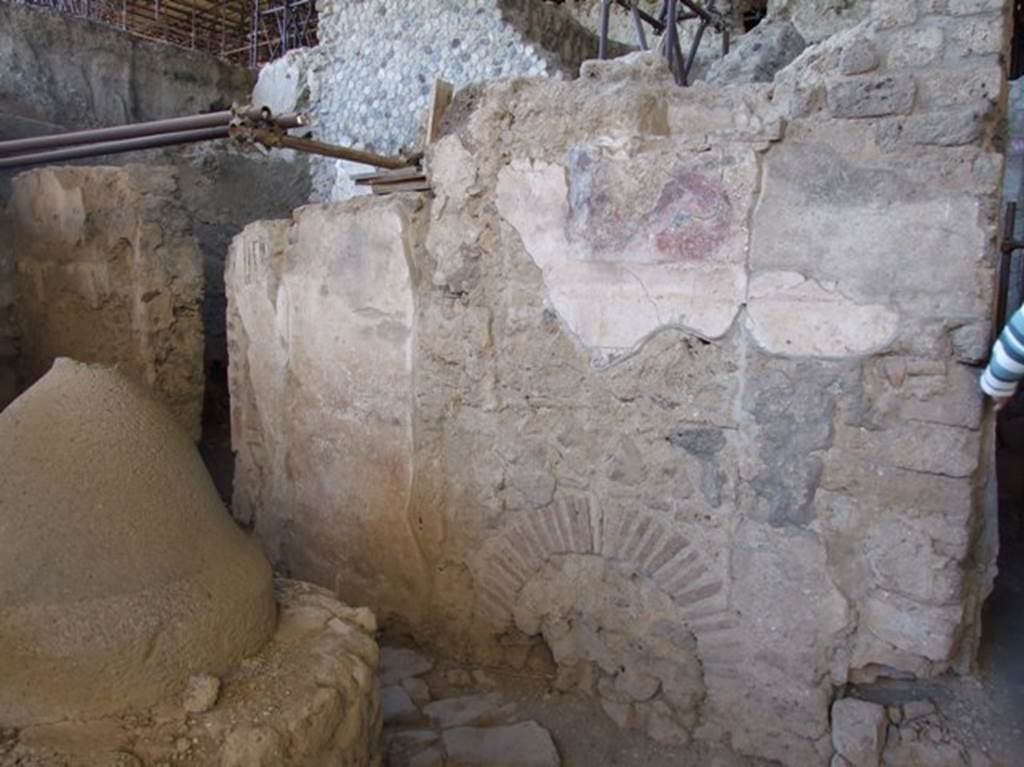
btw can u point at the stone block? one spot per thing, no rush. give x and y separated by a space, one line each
915 47
971 7
949 127
399 663
858 731
467 710
977 36
971 342
960 85
758 55
904 558
934 449
871 96
526 744
819 19
396 707
956 400
893 13
858 57
913 627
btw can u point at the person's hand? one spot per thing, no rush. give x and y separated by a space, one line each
1002 402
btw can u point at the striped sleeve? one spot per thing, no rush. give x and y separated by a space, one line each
1006 366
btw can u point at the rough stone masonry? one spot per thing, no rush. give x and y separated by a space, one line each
678 383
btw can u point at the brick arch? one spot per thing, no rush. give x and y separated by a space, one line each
638 544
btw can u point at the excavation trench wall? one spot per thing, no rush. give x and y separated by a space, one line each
681 384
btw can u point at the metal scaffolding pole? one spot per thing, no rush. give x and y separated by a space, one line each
137 130
115 147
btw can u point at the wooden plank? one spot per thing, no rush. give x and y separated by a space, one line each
401 186
401 174
440 98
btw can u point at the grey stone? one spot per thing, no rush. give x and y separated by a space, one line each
758 55
698 441
626 465
712 481
858 731
402 746
971 343
430 757
859 56
417 689
917 709
915 47
948 127
397 663
819 19
871 96
467 710
791 406
397 707
971 7
526 744
201 693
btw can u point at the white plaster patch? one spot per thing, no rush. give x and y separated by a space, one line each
792 315
452 172
611 306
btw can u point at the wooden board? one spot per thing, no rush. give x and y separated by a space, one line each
440 98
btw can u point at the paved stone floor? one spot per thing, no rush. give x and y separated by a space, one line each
438 713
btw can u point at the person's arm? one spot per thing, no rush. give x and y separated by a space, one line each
1006 366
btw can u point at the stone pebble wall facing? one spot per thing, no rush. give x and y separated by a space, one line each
368 82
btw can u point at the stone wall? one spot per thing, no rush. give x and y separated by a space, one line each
108 271
689 390
332 283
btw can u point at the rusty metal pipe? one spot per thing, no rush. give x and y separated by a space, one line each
331 150
136 130
114 147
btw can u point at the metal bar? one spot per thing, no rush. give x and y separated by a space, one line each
634 11
673 51
693 51
138 130
331 150
1002 294
114 147
155 127
602 44
700 12
254 34
293 4
655 24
